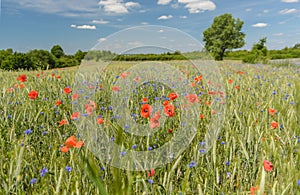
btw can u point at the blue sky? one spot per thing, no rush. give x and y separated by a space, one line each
81 24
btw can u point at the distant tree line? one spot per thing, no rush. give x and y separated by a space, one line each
39 59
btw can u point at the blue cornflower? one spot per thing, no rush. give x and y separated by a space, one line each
227 163
134 146
222 143
192 164
43 171
202 151
123 153
44 133
298 182
33 181
150 181
27 132
69 169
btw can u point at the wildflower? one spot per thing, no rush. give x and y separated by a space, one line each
166 102
63 122
146 111
150 181
69 169
170 130
272 111
100 120
237 87
43 171
192 98
274 124
173 96
198 79
22 78
230 81
202 116
33 181
58 102
253 189
22 85
33 94
268 165
144 100
74 96
116 88
64 149
154 121
151 173
67 90
298 182
123 153
169 110
28 131
75 115
192 164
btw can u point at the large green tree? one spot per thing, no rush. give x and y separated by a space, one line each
57 51
224 34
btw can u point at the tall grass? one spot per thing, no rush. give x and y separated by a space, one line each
233 165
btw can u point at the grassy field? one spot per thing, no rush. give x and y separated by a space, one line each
257 150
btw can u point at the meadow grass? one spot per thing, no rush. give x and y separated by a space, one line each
32 161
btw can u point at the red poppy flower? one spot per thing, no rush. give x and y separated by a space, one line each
192 98
63 122
89 108
52 74
146 110
272 111
33 94
268 165
193 84
202 116
165 102
151 173
58 102
274 124
100 120
144 100
16 85
75 96
154 121
230 81
71 141
237 87
67 90
173 96
22 85
64 149
198 79
253 189
136 79
169 110
116 88
58 77
170 130
10 90
75 115
22 78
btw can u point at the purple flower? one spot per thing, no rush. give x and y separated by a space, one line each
192 164
150 181
43 171
123 153
69 169
27 132
33 181
298 182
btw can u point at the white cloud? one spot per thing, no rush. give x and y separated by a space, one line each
74 8
132 4
89 27
117 6
144 23
266 11
163 2
288 11
197 6
260 25
289 1
278 34
161 31
100 22
165 17
248 10
183 17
